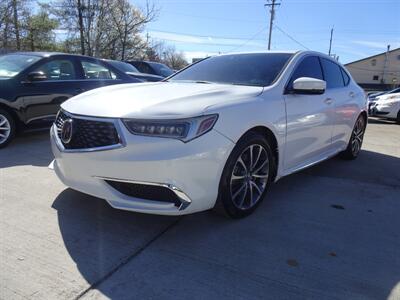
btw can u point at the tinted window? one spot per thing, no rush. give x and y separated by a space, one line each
12 64
97 71
346 78
58 69
123 66
309 67
332 74
162 69
144 68
259 69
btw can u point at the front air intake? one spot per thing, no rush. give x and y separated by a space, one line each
148 192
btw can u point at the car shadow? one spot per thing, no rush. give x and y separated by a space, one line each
296 242
28 148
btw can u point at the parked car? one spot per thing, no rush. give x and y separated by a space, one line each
133 72
216 134
33 85
387 106
372 98
150 67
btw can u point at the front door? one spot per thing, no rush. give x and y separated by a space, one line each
42 99
309 120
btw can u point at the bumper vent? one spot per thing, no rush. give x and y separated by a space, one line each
87 133
147 192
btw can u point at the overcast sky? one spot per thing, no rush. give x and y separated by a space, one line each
206 27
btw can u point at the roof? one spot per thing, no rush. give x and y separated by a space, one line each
369 57
47 54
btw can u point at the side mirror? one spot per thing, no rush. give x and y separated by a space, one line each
36 76
308 85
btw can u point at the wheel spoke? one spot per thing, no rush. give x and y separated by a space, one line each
239 190
237 177
244 196
251 158
240 160
260 167
257 158
260 176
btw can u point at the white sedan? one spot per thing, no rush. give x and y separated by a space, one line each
387 106
216 134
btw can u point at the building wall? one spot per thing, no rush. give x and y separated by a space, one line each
369 71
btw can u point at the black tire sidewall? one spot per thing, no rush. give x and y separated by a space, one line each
224 195
12 125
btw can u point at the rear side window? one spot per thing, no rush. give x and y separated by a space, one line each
97 71
309 67
144 68
58 69
332 73
346 78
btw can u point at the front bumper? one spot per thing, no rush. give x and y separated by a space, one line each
191 170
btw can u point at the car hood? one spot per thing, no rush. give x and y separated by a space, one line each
157 100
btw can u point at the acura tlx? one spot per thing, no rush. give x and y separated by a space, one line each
214 135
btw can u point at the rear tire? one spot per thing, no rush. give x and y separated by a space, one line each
247 176
398 118
7 128
356 139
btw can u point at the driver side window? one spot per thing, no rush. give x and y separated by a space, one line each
308 67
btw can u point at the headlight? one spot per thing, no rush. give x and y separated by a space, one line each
182 129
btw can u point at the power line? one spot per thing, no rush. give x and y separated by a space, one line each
290 37
249 40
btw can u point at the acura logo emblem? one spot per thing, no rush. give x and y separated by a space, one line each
67 131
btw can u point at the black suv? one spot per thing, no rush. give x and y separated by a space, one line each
34 84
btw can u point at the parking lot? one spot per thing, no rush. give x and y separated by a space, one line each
329 232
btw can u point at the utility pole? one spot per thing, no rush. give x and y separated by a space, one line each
385 64
330 43
271 20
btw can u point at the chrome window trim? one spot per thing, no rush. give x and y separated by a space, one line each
121 144
184 199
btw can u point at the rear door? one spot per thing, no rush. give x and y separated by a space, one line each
344 100
98 74
42 99
309 119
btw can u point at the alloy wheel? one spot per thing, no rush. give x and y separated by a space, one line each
5 129
357 136
249 177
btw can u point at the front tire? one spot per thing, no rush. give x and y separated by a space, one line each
398 118
246 177
7 128
357 136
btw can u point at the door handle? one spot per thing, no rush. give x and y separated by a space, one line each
328 101
351 94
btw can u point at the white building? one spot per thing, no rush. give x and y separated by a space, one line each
381 71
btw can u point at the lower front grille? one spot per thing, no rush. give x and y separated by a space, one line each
87 133
147 192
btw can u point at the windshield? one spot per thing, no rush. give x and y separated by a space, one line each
162 69
258 69
12 64
123 66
